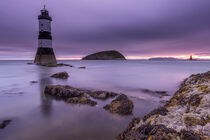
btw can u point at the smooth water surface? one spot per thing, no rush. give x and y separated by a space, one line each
35 116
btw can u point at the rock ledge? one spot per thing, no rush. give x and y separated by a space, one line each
186 116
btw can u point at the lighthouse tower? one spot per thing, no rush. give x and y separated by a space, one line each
45 54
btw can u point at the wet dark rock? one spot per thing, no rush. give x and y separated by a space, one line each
105 55
69 94
121 105
62 64
81 100
33 82
64 91
76 95
4 123
30 63
57 65
48 65
61 75
83 67
103 94
159 111
159 92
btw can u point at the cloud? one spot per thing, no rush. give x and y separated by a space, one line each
145 27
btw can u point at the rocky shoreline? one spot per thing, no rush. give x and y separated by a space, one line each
186 116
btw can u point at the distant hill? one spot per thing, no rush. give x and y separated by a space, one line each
164 59
105 55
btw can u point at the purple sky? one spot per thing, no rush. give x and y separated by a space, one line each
137 28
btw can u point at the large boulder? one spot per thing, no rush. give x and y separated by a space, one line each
121 105
186 116
61 75
105 55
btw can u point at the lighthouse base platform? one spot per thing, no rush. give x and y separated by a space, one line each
45 56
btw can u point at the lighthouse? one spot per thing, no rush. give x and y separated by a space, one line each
45 54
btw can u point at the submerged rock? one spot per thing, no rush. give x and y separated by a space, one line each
76 95
62 64
81 100
83 67
30 63
33 82
4 123
105 55
56 65
61 75
159 92
121 105
102 94
64 91
186 116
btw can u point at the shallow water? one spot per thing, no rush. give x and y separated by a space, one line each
36 116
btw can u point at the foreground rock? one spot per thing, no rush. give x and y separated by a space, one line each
61 75
105 55
76 95
4 123
121 105
186 116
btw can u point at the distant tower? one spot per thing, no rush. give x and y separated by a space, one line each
191 58
45 54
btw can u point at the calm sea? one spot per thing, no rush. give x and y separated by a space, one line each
35 116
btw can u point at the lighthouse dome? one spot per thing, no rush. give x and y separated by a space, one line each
44 14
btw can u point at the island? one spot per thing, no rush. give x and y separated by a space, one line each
105 55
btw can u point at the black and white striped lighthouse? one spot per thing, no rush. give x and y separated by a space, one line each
45 54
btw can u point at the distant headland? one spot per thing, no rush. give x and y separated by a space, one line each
164 59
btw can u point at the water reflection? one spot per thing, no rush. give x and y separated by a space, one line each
46 102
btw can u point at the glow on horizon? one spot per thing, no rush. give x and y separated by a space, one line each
171 56
129 57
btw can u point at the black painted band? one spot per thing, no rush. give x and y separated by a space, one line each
44 17
45 35
44 51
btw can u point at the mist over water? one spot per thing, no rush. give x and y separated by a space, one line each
37 116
